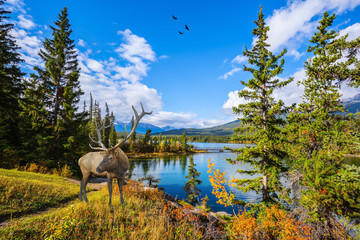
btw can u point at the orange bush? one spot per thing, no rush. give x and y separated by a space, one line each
271 223
245 226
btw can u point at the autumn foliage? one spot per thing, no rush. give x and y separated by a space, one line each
270 223
218 182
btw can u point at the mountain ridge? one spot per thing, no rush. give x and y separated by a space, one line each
352 105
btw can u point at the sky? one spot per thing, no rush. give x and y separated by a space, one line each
132 51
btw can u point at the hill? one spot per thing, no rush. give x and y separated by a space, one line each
221 130
142 127
352 105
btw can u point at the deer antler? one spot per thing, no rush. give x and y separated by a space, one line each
135 124
99 142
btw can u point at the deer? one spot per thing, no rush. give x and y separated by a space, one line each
110 162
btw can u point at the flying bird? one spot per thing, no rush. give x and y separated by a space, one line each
187 27
181 32
174 17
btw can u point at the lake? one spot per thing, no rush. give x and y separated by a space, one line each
172 170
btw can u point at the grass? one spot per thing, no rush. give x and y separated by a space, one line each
24 192
144 215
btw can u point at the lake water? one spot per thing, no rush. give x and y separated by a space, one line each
172 171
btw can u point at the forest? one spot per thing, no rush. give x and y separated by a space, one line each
307 192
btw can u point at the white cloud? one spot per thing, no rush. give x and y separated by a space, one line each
239 59
181 120
26 33
138 53
297 19
81 43
163 57
353 31
232 101
135 48
25 22
348 92
94 65
230 73
118 83
295 54
289 94
15 6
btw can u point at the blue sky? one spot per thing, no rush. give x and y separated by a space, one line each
131 51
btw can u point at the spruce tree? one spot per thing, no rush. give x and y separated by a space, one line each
261 118
191 189
184 145
107 122
113 136
319 136
11 89
36 139
59 88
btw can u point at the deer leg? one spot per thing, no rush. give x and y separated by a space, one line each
85 181
81 189
109 180
120 183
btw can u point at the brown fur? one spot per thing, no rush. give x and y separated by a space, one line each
116 168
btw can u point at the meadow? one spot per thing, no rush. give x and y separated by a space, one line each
144 215
25 192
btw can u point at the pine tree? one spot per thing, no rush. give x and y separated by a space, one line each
113 136
147 137
184 145
261 120
59 88
319 136
107 122
191 189
36 126
11 89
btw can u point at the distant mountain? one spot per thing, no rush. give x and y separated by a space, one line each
221 130
142 128
352 104
168 128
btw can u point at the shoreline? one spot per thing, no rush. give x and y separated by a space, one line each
162 154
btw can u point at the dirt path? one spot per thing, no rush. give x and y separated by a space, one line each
93 185
42 211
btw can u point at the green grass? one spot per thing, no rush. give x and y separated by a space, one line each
24 192
144 215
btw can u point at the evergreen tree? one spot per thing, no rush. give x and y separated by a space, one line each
147 137
59 88
11 89
191 189
36 138
107 122
261 120
184 145
319 136
113 136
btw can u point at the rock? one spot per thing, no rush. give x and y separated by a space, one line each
222 214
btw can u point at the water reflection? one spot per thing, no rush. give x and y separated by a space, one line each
171 170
